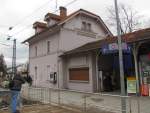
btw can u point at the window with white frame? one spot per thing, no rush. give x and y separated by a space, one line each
48 72
83 26
35 72
86 26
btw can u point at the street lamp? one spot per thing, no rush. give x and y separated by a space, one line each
123 99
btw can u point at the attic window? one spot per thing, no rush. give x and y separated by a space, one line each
83 26
86 26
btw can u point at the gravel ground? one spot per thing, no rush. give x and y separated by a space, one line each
44 109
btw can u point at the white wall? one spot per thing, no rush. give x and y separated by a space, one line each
76 23
70 33
71 39
77 61
43 60
67 39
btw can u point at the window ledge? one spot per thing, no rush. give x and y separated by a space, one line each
78 81
86 33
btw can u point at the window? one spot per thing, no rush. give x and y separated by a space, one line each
35 72
48 46
35 50
83 25
48 72
86 26
79 74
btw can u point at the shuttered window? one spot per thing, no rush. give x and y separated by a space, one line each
79 74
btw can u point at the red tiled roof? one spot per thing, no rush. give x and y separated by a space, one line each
135 36
52 16
88 12
39 24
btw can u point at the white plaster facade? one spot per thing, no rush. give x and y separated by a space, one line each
68 37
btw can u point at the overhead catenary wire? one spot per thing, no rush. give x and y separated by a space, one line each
56 10
4 26
31 14
4 44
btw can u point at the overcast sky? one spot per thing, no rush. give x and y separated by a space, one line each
21 14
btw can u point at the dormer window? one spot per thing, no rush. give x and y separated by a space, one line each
86 26
39 27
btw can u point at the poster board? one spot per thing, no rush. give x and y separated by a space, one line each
149 89
145 90
131 85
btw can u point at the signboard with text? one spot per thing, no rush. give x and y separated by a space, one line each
113 48
131 85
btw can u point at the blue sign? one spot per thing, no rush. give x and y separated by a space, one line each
113 48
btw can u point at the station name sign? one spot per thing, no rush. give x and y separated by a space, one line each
113 48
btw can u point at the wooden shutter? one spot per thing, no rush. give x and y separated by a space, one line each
79 74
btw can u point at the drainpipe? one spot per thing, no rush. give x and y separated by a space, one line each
97 74
140 72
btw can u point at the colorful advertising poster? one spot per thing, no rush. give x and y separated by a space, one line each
145 90
131 85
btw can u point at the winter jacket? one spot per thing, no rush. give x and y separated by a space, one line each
17 83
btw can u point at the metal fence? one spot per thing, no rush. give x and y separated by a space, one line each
4 98
87 102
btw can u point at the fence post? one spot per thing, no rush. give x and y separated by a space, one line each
41 94
49 96
130 110
59 96
84 102
138 102
28 93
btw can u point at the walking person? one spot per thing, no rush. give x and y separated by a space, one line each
15 87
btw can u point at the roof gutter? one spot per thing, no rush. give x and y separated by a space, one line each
44 33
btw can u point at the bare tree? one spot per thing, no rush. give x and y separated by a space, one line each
129 18
3 67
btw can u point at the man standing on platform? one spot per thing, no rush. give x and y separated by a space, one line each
15 87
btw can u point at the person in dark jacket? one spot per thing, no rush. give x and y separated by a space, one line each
15 88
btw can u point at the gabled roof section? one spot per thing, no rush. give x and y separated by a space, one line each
51 30
90 14
61 21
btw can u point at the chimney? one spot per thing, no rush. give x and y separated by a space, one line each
63 12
